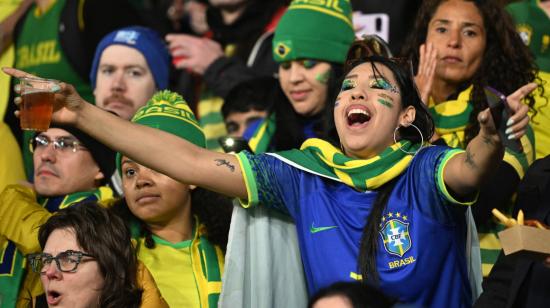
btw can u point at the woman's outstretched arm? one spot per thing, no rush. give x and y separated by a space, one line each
180 159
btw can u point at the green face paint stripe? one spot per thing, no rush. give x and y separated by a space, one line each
385 103
323 77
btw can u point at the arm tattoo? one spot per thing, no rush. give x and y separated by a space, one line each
470 160
221 162
488 141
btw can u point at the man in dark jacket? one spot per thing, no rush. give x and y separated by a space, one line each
517 281
237 48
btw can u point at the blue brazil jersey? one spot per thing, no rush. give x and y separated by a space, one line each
421 244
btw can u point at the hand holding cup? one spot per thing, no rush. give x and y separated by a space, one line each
37 99
66 101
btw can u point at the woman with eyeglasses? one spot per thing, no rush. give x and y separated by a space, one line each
458 48
384 209
88 261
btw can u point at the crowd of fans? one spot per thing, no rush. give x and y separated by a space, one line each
249 153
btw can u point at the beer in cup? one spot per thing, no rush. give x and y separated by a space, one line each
37 98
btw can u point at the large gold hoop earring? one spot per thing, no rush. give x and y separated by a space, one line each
421 137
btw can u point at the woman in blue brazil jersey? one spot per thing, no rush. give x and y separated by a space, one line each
381 209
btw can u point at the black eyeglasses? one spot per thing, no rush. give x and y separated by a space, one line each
66 261
62 144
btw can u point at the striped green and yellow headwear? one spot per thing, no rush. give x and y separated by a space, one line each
313 29
168 111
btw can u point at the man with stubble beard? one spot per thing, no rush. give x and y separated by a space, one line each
130 64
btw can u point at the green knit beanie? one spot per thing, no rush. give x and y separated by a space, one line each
314 29
168 111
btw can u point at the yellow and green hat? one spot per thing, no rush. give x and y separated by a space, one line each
312 29
169 112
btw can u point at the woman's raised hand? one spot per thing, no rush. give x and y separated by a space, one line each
426 71
517 124
67 101
518 121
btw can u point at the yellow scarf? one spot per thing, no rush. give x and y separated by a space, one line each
322 158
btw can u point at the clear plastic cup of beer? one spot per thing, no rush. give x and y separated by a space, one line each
37 99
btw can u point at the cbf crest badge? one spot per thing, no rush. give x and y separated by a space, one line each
525 32
395 234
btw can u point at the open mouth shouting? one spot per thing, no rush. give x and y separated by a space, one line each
357 115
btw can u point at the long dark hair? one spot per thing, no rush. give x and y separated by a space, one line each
104 235
289 133
212 209
361 53
507 63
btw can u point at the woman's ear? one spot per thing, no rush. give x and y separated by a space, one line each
407 116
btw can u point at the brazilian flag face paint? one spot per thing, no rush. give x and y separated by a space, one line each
304 83
323 77
385 100
385 103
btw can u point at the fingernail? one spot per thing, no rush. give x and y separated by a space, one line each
55 88
17 88
510 122
508 130
511 136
